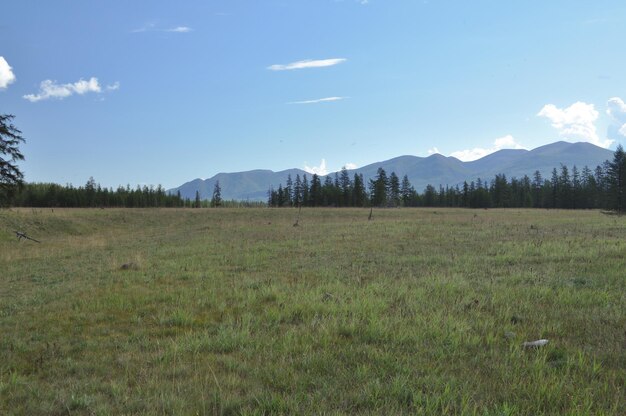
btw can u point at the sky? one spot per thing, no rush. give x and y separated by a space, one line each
162 92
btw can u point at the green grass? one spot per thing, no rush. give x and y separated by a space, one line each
226 311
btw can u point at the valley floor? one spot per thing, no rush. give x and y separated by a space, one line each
236 311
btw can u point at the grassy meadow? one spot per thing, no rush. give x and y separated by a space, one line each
236 311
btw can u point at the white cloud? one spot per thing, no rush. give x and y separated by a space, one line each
321 170
616 109
180 29
6 74
350 166
152 27
50 89
506 142
433 151
576 122
319 100
320 63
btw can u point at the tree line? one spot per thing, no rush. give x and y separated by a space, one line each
92 195
603 187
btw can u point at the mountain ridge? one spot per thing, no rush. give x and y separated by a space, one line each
435 170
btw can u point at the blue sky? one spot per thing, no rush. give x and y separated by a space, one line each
161 92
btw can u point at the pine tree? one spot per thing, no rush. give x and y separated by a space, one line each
378 188
537 187
394 190
315 192
359 195
345 186
297 191
216 199
289 190
11 177
617 180
306 200
406 191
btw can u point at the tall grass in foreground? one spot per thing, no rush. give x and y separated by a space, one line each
222 311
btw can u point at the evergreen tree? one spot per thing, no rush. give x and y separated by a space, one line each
197 201
406 191
617 180
11 177
328 192
289 190
378 188
297 191
537 187
554 183
430 196
345 186
359 195
315 192
394 190
216 199
306 200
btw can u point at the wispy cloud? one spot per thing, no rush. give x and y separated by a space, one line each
576 122
308 63
350 166
320 170
506 142
49 89
152 27
6 74
319 100
180 29
433 151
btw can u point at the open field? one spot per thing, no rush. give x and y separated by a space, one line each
220 311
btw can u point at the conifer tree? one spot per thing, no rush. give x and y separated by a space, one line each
359 196
11 177
216 199
378 188
393 198
406 191
617 180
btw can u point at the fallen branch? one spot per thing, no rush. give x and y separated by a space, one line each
20 235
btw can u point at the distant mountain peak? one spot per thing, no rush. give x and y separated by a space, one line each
435 169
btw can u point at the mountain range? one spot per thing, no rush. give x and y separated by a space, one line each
434 170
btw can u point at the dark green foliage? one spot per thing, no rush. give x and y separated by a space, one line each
92 195
10 175
378 189
216 199
616 173
603 188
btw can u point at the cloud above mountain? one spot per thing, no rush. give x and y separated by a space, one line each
506 142
320 170
576 122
